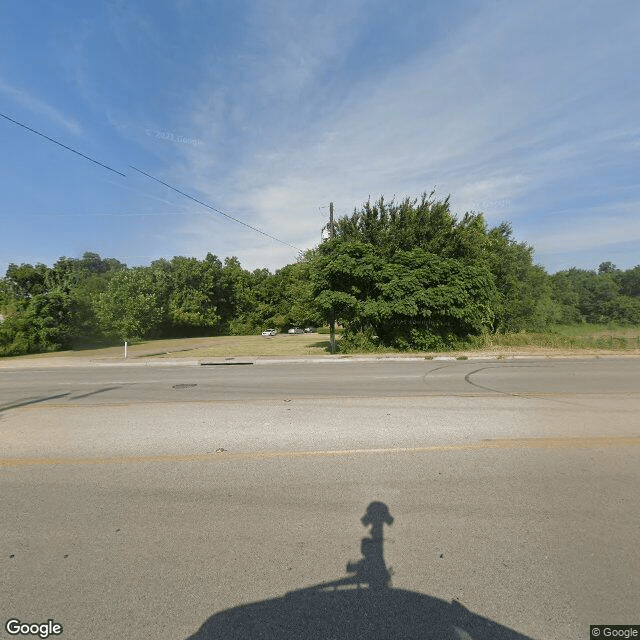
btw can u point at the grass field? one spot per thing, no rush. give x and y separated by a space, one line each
562 340
572 337
220 346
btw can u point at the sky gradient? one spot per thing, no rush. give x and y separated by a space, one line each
267 111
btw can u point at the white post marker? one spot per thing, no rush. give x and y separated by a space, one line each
125 349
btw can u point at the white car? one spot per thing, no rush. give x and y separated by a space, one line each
295 330
269 332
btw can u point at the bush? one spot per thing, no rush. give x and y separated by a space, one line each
358 342
326 331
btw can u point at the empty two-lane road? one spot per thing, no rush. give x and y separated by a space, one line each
343 378
165 410
157 501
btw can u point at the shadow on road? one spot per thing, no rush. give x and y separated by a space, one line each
93 393
362 605
28 401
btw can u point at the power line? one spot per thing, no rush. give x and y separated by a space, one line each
24 126
208 206
182 193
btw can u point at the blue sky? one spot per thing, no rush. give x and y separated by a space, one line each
526 111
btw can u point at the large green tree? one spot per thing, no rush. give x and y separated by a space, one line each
630 282
37 313
414 274
426 223
82 281
41 324
525 291
191 293
416 299
596 297
134 305
296 300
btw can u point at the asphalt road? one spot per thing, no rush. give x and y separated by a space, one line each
226 501
337 378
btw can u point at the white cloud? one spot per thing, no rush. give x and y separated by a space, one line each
521 97
577 230
36 105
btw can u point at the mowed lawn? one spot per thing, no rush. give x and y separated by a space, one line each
563 341
281 344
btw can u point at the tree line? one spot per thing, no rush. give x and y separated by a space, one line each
407 275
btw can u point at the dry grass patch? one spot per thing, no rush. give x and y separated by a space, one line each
572 342
219 346
282 344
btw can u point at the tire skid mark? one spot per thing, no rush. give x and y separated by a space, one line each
527 395
428 373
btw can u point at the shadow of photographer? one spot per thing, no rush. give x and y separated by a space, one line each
362 605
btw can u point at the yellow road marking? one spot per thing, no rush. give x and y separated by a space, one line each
520 443
48 406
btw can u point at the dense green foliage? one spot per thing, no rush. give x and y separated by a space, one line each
46 309
94 301
407 275
415 300
411 275
610 295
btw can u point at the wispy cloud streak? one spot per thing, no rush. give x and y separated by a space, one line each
512 104
36 105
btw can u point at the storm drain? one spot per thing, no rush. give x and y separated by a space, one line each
184 386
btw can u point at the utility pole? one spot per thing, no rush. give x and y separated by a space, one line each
332 321
331 220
